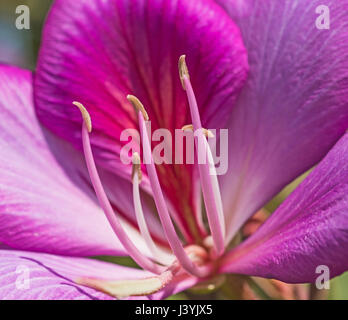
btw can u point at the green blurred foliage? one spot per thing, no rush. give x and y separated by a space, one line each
123 261
272 205
339 287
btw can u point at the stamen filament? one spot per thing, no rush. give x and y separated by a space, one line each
216 189
104 202
216 224
157 254
162 209
213 175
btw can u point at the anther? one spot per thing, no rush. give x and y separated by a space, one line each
207 133
138 106
183 70
85 115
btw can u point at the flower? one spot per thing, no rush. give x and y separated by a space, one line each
290 114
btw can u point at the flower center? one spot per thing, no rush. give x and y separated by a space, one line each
195 260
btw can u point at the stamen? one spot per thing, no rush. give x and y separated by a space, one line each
210 194
216 189
136 178
183 70
162 209
138 106
126 288
104 202
85 115
207 133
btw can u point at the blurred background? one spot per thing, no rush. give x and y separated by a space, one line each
20 48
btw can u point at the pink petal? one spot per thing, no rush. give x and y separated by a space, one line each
53 277
97 52
308 230
44 205
295 104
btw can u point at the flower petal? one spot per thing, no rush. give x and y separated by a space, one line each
295 104
97 52
308 230
41 209
38 276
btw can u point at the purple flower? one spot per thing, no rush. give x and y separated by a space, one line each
261 68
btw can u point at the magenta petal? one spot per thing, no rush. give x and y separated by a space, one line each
97 52
53 277
295 104
41 208
308 230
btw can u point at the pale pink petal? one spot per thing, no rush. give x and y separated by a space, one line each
38 276
44 206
